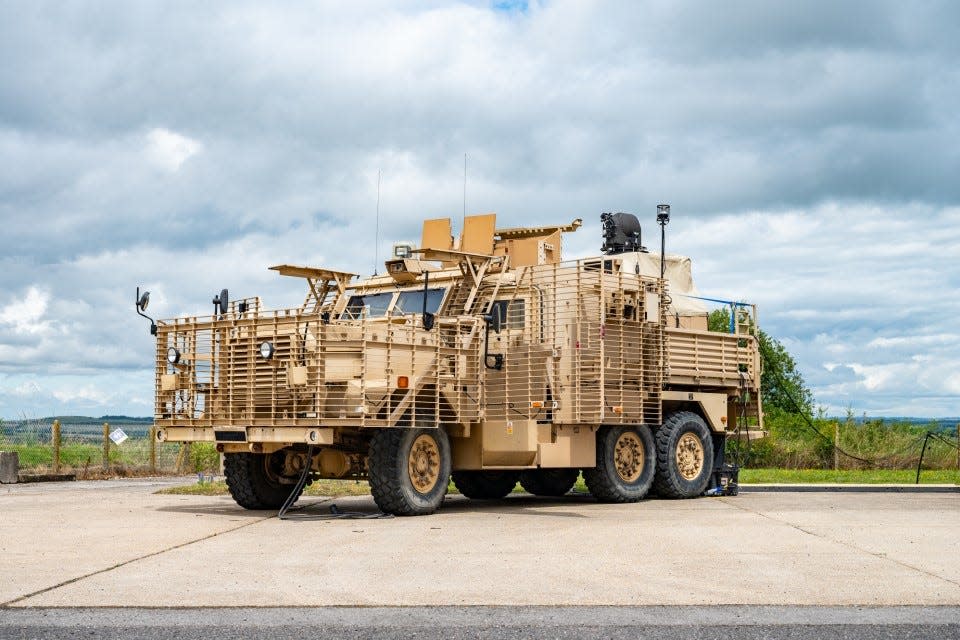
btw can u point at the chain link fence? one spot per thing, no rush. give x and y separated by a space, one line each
87 450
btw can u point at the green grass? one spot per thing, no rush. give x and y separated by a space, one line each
41 455
133 454
848 476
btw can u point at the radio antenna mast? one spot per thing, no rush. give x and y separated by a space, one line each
376 243
464 224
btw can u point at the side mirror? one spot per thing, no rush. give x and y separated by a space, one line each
494 321
428 320
140 304
221 303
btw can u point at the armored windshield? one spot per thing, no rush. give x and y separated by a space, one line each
412 301
372 305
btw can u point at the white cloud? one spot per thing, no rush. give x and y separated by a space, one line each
169 150
188 148
873 377
26 315
88 395
28 388
940 339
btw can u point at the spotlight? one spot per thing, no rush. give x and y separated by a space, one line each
266 350
663 214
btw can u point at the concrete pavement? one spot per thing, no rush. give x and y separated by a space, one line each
116 543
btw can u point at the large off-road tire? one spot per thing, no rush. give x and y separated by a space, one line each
254 479
549 482
684 456
626 463
485 485
409 470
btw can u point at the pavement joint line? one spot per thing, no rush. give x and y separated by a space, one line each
8 604
879 556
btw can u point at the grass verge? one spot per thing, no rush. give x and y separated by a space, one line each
848 476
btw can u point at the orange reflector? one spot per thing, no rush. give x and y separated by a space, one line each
536 404
618 409
723 419
403 382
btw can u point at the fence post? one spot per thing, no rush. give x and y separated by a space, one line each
836 445
55 436
178 465
106 447
153 449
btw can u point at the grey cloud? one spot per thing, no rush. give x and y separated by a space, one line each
742 111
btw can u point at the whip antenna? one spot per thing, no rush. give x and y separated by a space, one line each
464 193
376 242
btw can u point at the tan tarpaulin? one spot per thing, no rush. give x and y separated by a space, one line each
679 275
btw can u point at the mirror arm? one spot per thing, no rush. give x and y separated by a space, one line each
153 325
427 318
497 357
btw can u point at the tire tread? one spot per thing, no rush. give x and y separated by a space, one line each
666 482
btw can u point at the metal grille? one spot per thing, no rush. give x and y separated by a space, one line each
366 372
581 343
710 359
587 348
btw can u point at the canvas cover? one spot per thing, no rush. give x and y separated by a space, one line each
679 275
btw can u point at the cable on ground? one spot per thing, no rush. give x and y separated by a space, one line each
335 512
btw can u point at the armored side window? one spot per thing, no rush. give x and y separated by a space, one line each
412 301
511 312
372 305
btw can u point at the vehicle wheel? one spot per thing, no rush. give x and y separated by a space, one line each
548 482
684 456
409 470
626 461
254 479
485 485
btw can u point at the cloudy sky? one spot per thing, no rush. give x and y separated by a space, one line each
810 152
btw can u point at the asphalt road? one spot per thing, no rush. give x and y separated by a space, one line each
742 622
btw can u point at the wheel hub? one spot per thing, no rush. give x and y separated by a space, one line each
424 463
629 456
689 456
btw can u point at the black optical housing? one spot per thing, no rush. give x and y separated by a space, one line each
621 233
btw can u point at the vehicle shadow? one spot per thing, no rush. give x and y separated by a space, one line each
520 505
221 508
513 505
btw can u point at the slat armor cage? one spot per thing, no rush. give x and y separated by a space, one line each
520 357
581 342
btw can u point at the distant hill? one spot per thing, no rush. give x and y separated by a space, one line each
907 419
67 420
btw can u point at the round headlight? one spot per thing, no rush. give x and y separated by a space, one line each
266 350
173 356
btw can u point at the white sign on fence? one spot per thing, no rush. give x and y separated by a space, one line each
118 436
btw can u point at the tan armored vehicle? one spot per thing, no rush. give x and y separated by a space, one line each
486 359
